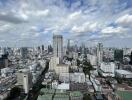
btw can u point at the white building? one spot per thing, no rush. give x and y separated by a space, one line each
5 71
77 77
64 77
27 82
24 78
96 84
75 55
92 59
58 46
54 84
123 73
62 86
107 69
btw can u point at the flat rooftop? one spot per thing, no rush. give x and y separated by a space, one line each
124 72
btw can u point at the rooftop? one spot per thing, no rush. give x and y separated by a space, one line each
123 72
76 94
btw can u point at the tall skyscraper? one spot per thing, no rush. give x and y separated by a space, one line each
42 47
68 45
58 46
99 53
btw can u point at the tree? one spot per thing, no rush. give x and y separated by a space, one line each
87 97
87 67
78 62
15 92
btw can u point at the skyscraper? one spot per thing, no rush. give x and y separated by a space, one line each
118 55
68 45
24 52
58 46
99 53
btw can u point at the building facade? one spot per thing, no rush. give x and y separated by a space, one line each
58 46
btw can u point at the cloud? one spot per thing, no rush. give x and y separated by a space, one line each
85 28
75 15
76 19
5 27
13 17
114 30
38 13
125 20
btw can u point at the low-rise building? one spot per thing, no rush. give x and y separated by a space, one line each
76 95
77 77
123 74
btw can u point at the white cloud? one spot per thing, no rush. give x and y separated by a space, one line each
42 13
125 20
112 30
37 13
85 28
5 27
75 15
37 19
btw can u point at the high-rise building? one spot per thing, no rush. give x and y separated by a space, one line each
4 61
99 53
24 78
131 59
58 46
53 63
50 49
68 45
27 82
42 48
118 55
24 52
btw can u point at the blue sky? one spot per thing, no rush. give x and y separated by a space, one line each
33 22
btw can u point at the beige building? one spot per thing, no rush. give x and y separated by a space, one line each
53 63
24 78
62 68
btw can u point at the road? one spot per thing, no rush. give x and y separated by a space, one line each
33 94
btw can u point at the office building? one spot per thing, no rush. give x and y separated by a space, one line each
62 68
53 63
77 77
24 52
99 53
92 59
123 74
4 61
24 79
107 69
58 46
118 55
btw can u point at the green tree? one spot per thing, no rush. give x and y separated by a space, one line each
87 67
78 62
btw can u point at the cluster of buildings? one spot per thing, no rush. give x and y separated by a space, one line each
21 68
66 79
110 65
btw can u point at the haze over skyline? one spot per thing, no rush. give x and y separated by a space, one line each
33 22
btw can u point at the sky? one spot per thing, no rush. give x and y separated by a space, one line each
33 22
